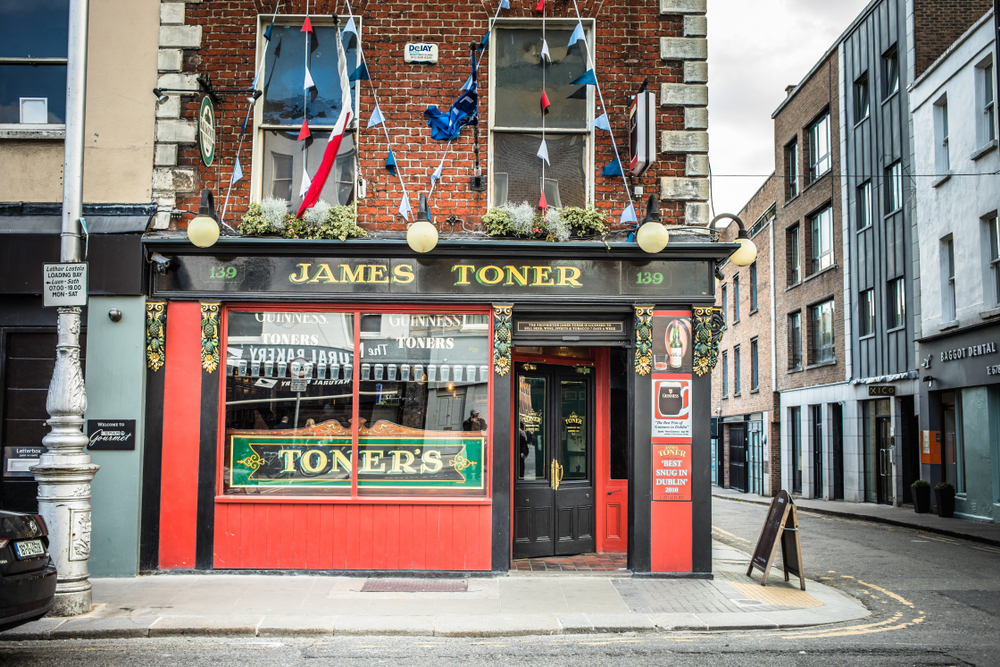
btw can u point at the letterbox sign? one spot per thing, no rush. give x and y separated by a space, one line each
881 390
111 434
420 53
18 459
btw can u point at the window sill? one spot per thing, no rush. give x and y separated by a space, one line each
867 336
753 312
985 150
990 314
948 325
725 397
857 123
795 370
793 285
789 201
755 391
890 95
735 322
941 179
32 132
816 180
866 227
821 272
821 364
892 212
736 395
895 329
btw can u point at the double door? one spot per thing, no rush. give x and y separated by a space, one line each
554 494
738 458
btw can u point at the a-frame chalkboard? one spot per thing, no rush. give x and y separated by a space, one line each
781 525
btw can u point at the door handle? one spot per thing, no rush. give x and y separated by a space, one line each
613 491
556 471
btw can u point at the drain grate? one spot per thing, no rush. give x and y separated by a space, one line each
415 586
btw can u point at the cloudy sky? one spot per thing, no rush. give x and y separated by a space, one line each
756 49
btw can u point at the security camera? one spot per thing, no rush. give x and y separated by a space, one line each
160 262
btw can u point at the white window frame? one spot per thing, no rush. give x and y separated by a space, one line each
986 116
895 296
258 154
589 30
992 239
948 295
818 231
820 164
817 348
866 313
942 160
865 211
894 186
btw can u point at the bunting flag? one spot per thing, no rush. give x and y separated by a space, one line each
436 176
464 111
237 172
468 84
541 6
602 123
588 78
360 74
404 207
350 27
577 35
304 133
542 204
613 168
628 215
504 4
307 26
545 102
545 51
390 163
246 120
267 33
306 183
543 152
377 117
309 83
336 136
486 40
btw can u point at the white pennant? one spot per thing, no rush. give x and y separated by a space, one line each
436 176
404 207
350 27
306 182
377 117
628 215
543 152
545 51
237 172
309 83
601 123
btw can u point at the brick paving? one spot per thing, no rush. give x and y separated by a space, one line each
581 563
664 596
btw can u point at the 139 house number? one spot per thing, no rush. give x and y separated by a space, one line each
648 278
222 272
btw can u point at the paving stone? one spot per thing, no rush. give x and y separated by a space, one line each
104 628
499 625
290 626
414 626
216 625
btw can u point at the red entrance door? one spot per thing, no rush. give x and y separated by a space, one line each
612 450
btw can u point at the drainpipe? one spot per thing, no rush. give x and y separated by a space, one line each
64 471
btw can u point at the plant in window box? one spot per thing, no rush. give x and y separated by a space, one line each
268 217
340 222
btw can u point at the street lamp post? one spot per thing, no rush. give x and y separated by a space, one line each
64 471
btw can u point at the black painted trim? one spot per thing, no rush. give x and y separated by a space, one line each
208 431
640 483
152 464
701 473
500 547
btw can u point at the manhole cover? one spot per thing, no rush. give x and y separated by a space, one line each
414 586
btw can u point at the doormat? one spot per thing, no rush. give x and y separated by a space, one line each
415 586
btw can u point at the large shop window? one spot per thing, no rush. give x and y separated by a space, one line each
279 156
516 118
333 403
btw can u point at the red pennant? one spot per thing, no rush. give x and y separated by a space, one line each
541 6
304 133
545 102
307 26
542 204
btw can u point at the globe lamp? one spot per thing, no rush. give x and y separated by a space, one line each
652 236
203 230
422 236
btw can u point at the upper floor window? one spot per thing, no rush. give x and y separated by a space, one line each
725 373
736 370
821 240
994 225
942 163
754 366
986 130
948 275
822 332
33 43
516 118
894 186
284 162
736 298
862 101
794 247
866 313
753 287
724 314
864 205
819 147
795 340
895 303
890 72
792 170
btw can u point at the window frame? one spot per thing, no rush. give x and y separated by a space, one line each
986 122
736 298
865 211
821 352
725 315
894 187
753 287
890 72
866 313
792 170
862 98
949 306
737 389
942 157
895 304
795 341
754 365
794 239
589 131
993 234
818 231
819 165
725 373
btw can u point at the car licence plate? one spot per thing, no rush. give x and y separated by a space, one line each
29 548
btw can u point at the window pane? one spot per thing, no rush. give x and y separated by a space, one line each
573 428
865 205
34 29
424 389
44 81
284 76
754 379
736 298
514 155
532 427
265 452
866 312
753 286
518 83
792 170
736 370
283 167
891 67
795 340
725 373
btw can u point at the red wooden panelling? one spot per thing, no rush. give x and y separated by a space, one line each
181 426
670 538
352 537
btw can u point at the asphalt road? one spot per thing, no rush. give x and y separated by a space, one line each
934 601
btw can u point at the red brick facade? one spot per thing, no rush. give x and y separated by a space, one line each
938 23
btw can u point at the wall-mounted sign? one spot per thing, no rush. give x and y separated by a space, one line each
671 472
206 130
642 132
65 284
881 390
18 459
671 406
420 53
564 327
111 434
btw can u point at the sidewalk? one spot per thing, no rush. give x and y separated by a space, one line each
517 604
976 531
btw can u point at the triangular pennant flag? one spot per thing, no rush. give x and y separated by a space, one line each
545 102
436 176
237 172
377 117
601 123
267 33
404 207
543 152
588 78
613 168
486 40
541 6
504 4
304 133
467 85
545 51
306 183
350 27
309 83
360 74
577 34
628 215
307 26
246 120
542 204
390 163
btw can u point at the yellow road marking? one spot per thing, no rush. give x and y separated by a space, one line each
735 537
898 598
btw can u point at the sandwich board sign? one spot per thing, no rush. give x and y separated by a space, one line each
781 525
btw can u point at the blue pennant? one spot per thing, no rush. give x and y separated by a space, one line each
613 168
464 111
360 74
390 163
588 78
267 33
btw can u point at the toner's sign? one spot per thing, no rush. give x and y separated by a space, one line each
107 434
206 130
420 53
671 472
65 284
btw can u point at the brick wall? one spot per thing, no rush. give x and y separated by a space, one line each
938 23
791 123
664 41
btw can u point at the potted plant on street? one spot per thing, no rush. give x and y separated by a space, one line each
921 492
945 493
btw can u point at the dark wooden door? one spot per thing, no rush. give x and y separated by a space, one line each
883 460
738 458
554 487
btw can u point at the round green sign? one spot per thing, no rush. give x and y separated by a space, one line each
206 130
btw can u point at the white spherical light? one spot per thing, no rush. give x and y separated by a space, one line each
203 231
746 253
652 237
422 236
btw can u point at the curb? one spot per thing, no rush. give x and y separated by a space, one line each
872 519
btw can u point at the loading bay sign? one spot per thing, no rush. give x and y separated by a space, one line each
65 284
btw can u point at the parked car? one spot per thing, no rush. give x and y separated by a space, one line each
27 575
